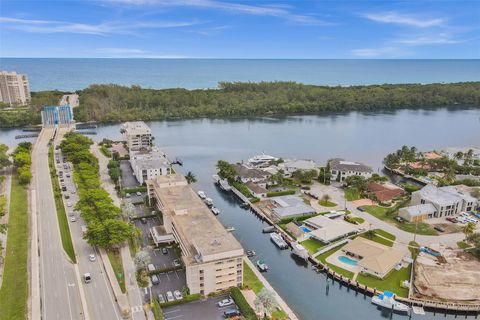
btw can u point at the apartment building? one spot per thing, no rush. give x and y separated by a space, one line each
137 135
341 169
148 164
212 256
448 201
14 89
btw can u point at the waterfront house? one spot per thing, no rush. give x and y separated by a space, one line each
417 213
341 169
256 190
245 174
384 192
374 258
290 166
290 206
327 230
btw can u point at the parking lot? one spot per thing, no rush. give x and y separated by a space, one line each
145 225
128 178
200 310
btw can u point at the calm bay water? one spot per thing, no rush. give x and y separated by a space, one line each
365 137
74 74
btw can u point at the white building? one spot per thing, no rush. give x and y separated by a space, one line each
290 166
14 89
418 212
246 174
341 169
148 164
327 230
213 258
137 135
448 201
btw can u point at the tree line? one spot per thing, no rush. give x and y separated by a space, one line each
104 226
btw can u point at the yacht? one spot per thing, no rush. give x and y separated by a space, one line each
387 300
208 202
230 229
224 185
299 251
216 178
262 266
278 240
261 160
201 194
215 210
250 253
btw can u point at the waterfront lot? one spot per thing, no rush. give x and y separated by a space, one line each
200 309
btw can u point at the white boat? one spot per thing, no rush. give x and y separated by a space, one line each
224 185
299 251
262 266
387 300
215 210
201 194
216 178
261 160
230 229
208 202
278 240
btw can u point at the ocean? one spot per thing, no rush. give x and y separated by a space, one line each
74 74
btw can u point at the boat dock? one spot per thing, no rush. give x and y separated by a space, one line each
27 135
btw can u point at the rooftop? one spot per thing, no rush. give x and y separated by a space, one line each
299 164
290 206
384 192
150 159
444 195
330 229
245 172
198 228
343 165
420 209
256 188
136 127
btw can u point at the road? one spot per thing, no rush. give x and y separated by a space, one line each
59 291
99 297
71 99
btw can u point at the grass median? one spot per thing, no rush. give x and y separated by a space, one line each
61 214
14 291
117 265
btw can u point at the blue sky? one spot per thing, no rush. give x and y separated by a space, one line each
240 29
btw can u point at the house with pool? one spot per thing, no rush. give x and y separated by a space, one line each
371 257
327 230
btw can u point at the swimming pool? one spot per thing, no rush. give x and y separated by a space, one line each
347 260
305 229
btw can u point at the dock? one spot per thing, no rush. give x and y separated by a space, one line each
28 135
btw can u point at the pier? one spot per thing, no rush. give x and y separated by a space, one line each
28 135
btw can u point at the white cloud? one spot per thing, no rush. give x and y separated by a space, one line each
383 52
52 26
394 17
441 38
280 11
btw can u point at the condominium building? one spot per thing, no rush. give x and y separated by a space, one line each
148 164
448 201
341 169
14 88
212 256
137 135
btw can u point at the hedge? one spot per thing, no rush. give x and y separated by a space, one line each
157 310
134 190
247 311
280 193
188 298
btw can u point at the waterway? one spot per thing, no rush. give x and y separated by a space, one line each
364 137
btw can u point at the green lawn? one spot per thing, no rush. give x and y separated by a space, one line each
351 194
358 220
335 268
117 265
391 282
312 245
326 203
379 237
61 214
463 245
380 213
14 291
250 280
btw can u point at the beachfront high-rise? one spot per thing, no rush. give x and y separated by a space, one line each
14 89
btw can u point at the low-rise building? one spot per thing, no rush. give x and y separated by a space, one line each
374 258
448 201
290 166
14 89
290 206
341 169
148 164
212 256
417 213
256 190
137 135
245 174
384 192
327 230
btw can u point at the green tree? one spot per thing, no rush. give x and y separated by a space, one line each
469 229
226 170
108 234
22 158
191 178
4 161
24 175
266 301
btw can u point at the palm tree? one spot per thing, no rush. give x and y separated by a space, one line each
370 234
191 178
458 155
469 229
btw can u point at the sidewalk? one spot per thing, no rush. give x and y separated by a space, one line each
281 302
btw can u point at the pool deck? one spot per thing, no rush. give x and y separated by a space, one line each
333 259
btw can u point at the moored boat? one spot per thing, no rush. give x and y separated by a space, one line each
215 210
230 229
201 194
387 300
262 266
299 251
208 202
224 185
278 240
250 253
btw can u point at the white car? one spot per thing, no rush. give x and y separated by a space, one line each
139 193
73 219
69 204
72 192
127 195
225 302
92 257
170 297
177 295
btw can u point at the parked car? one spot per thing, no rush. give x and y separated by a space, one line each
170 297
139 193
64 188
151 267
127 195
225 302
143 220
439 228
72 192
87 277
67 196
360 209
231 313
69 204
176 263
155 279
68 175
451 219
164 250
178 295
73 219
161 298
92 257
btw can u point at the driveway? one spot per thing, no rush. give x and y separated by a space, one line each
128 178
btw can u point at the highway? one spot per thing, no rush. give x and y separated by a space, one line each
59 291
99 296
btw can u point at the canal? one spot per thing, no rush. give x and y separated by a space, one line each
365 137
